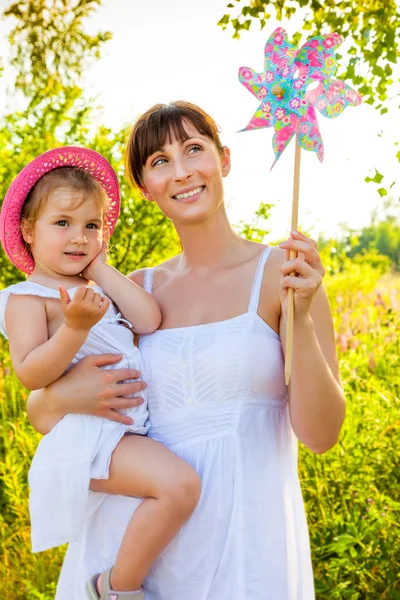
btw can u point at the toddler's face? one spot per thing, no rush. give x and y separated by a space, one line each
68 233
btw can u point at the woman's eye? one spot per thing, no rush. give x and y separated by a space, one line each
195 148
158 161
62 223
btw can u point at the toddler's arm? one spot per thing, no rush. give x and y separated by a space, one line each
38 360
138 306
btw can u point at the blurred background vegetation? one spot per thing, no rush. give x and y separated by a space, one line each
352 493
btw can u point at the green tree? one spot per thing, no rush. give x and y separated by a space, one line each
50 52
257 229
383 237
371 28
377 244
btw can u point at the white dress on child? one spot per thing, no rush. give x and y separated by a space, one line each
79 447
217 398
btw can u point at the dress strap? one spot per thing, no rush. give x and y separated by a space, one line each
258 277
148 280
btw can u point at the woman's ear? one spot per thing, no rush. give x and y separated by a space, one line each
146 193
27 231
225 161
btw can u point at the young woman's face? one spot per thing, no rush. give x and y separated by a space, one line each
185 177
67 235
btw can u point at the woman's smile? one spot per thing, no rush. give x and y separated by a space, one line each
190 195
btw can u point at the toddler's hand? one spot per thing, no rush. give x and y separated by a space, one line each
97 264
85 309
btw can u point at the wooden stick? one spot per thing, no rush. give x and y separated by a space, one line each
293 254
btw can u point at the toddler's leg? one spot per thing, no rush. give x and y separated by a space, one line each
171 489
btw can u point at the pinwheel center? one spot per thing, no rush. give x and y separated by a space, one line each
278 91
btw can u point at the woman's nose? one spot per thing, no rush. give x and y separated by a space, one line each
181 170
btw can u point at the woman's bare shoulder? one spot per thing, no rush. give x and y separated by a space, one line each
272 268
269 306
163 269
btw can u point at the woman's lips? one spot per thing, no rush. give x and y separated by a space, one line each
190 196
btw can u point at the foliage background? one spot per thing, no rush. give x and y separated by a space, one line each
352 493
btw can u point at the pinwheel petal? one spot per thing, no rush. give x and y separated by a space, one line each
251 80
278 50
282 136
331 97
317 55
259 120
309 134
282 90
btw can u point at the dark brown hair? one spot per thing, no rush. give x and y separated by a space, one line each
162 122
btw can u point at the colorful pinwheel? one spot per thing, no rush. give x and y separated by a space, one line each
286 103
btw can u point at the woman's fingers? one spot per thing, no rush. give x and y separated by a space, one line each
124 403
113 415
116 404
121 375
297 265
102 360
103 392
307 250
121 382
128 388
298 283
297 235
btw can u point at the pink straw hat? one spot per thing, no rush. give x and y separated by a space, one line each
68 156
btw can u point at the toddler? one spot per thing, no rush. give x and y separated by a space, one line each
56 218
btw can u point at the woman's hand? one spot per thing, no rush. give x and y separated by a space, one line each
309 273
97 264
87 389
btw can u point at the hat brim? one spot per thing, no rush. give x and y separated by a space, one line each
67 156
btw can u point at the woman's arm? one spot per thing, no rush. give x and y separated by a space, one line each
138 306
316 399
86 388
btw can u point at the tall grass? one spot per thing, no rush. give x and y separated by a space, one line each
351 493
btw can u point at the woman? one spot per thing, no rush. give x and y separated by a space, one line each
216 389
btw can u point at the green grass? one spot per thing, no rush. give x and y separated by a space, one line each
352 493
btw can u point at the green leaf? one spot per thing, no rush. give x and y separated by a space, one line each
377 178
224 20
391 56
382 192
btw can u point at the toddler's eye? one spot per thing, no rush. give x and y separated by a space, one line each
92 226
62 223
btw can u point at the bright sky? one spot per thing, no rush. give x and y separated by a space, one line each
167 50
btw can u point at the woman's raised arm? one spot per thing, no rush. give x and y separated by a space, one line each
86 388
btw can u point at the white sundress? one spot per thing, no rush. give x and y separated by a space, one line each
217 398
79 447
